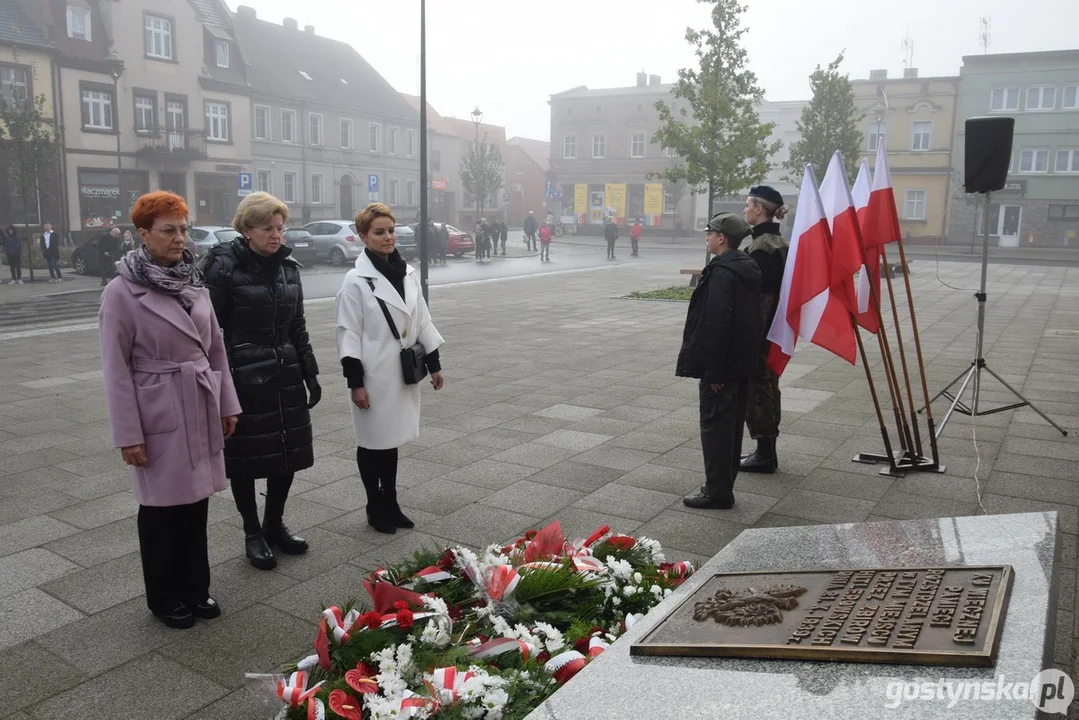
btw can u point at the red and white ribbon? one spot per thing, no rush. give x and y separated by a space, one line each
500 581
565 665
500 646
316 710
432 574
678 569
449 680
294 691
596 645
340 623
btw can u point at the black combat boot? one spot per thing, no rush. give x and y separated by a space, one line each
258 552
764 460
710 499
392 509
378 516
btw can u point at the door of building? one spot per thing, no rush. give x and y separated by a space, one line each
173 182
1008 220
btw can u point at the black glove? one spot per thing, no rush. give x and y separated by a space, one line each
314 392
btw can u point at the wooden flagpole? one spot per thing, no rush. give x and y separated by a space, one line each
876 401
917 448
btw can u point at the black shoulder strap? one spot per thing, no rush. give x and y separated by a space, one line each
385 311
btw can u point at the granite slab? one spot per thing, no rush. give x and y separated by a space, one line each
616 685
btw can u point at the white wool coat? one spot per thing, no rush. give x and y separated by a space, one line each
393 418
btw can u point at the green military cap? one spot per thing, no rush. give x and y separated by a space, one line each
731 225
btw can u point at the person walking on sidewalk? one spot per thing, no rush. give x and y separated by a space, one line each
545 243
257 296
108 253
50 250
171 403
635 236
719 346
503 234
530 232
610 231
13 253
769 249
381 313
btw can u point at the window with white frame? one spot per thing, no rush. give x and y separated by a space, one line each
264 181
346 133
262 122
599 146
914 205
392 135
877 133
636 145
217 121
316 189
1034 161
14 81
314 129
569 147
222 53
410 193
78 23
289 190
1001 99
288 126
374 141
391 192
1067 161
158 37
410 142
920 135
145 113
1070 98
1041 98
97 109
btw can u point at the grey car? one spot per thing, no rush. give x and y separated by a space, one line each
202 238
335 240
406 242
303 246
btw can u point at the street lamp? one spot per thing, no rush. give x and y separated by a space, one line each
116 69
477 118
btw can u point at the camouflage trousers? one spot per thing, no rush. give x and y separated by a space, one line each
763 412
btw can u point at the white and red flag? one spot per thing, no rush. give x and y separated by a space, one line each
881 223
848 257
860 193
807 306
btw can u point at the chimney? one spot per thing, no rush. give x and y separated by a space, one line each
246 11
653 80
291 24
910 73
642 79
309 29
878 74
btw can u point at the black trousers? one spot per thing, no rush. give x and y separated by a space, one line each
243 492
633 243
14 262
175 560
723 416
610 248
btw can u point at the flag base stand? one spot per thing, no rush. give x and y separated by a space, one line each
902 463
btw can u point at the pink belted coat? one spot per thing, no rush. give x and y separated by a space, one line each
167 384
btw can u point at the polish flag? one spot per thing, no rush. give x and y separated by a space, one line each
807 306
881 224
860 194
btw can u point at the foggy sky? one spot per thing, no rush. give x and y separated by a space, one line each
508 56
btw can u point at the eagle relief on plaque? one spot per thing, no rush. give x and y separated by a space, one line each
939 616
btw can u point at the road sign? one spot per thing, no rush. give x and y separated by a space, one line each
372 183
547 190
557 195
505 197
372 197
243 184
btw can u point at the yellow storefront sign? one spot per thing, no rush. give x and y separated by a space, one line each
653 199
580 201
616 199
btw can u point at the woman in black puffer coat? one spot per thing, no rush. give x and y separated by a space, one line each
257 296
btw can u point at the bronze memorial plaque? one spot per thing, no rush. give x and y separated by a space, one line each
922 616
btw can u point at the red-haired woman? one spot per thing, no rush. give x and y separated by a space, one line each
171 405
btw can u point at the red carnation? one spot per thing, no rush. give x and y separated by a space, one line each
405 618
400 605
455 613
445 562
531 534
543 657
482 638
371 620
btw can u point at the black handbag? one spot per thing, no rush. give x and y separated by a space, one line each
414 358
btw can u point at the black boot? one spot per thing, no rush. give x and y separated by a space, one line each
709 500
273 529
764 460
392 509
377 516
258 552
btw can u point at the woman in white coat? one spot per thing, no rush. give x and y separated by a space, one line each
385 410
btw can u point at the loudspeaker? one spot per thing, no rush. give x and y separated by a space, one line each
988 153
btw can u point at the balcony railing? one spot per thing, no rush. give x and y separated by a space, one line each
160 142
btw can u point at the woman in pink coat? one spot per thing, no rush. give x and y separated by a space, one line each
171 405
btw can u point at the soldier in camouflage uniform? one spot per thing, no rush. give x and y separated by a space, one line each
769 248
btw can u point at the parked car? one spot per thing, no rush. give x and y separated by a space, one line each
335 240
302 244
85 258
202 238
406 242
459 243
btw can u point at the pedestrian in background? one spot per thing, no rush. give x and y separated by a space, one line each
108 252
719 347
257 296
768 249
545 243
635 236
50 250
442 241
127 243
381 315
13 253
530 232
171 405
503 234
610 231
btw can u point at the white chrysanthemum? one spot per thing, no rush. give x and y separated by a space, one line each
629 590
495 702
500 626
554 640
638 578
619 568
653 547
616 601
404 657
657 591
473 711
436 605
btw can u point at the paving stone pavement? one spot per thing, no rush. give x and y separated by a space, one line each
561 402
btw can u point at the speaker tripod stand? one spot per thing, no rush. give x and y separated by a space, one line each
972 377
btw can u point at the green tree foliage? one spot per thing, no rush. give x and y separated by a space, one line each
828 123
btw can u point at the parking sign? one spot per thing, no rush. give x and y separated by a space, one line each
372 183
243 184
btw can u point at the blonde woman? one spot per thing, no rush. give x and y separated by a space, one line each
257 295
380 312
